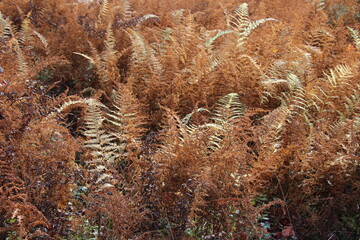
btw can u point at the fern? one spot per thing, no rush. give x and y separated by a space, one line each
25 29
240 20
127 121
229 108
224 117
294 105
109 55
339 75
297 101
7 28
219 34
105 62
144 54
11 35
43 41
127 10
104 10
242 24
356 36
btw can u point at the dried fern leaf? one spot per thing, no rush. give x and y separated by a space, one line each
22 64
109 54
229 107
225 116
240 19
356 37
340 75
25 32
127 10
104 10
91 60
242 25
219 34
43 41
7 28
144 55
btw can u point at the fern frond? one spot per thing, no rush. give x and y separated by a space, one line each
144 55
294 81
25 32
127 10
273 125
109 54
43 41
12 35
229 108
104 10
242 25
126 118
356 37
100 144
257 23
219 34
7 28
91 60
339 75
225 116
240 19
352 103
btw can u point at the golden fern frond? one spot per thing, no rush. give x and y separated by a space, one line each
10 34
297 100
339 75
356 37
104 10
22 64
294 81
294 104
25 32
219 34
7 28
140 49
143 54
101 144
94 117
126 119
71 104
240 19
109 54
352 104
229 109
43 41
273 124
102 147
242 25
127 10
91 60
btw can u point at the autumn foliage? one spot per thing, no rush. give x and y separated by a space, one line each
187 119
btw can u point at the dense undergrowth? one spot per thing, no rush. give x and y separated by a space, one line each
186 119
